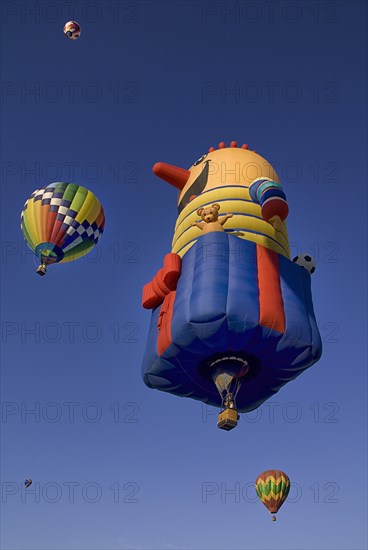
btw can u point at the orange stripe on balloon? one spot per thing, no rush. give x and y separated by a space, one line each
44 219
58 238
99 218
50 225
55 232
271 305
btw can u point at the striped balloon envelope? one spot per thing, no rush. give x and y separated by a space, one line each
61 222
272 488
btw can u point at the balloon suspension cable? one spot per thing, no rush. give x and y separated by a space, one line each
229 400
237 388
227 374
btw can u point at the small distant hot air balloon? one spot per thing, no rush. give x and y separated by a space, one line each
72 30
61 222
272 488
28 483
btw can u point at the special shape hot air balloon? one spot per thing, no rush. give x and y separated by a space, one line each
272 488
232 315
61 222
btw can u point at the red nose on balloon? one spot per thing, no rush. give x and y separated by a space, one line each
177 177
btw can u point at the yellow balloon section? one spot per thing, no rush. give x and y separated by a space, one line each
231 172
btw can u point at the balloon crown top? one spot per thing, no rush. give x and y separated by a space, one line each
222 145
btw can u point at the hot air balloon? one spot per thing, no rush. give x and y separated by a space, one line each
28 483
72 30
61 222
232 315
272 488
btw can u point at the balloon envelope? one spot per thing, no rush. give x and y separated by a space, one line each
62 222
72 30
272 488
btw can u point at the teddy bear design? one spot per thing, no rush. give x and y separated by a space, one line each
211 221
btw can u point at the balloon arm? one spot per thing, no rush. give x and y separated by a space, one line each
165 281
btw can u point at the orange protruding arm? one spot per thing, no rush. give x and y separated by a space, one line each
172 270
150 300
164 282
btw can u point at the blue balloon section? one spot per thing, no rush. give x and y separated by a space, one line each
217 313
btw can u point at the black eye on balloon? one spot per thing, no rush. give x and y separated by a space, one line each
199 160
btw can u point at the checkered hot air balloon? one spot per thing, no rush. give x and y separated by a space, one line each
272 488
61 223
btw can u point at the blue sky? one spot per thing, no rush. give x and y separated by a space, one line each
114 464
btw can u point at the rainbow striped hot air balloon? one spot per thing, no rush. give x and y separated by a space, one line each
61 223
272 488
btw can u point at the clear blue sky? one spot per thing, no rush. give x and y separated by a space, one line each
163 81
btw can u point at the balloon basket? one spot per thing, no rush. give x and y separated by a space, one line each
41 270
227 419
